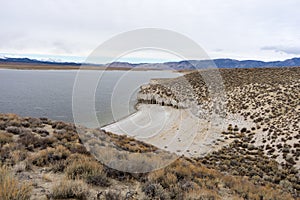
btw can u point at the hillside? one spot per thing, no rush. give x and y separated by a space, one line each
266 101
44 159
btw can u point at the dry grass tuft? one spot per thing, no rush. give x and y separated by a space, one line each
87 168
130 144
50 156
11 189
5 138
67 189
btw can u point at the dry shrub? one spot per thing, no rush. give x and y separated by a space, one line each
31 141
28 140
187 179
248 190
166 179
50 156
81 167
155 191
59 125
98 180
64 135
78 148
9 120
5 138
58 166
70 189
41 132
14 130
113 195
12 153
170 179
182 171
181 178
202 194
5 154
11 189
18 155
35 122
85 167
22 166
186 169
14 122
130 144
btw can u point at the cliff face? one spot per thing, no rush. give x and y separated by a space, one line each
158 94
179 92
202 96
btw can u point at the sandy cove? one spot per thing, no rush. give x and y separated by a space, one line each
175 130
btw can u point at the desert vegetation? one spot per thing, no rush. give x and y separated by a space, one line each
266 98
269 98
11 188
52 163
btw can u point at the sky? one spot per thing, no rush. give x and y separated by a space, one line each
69 30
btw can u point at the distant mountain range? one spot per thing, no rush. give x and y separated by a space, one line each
180 65
37 62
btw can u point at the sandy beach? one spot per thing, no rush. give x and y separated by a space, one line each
175 130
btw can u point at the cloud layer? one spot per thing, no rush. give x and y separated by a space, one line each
283 49
249 29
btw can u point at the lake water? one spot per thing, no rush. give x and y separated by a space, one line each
48 93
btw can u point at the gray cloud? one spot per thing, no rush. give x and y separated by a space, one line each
62 47
283 49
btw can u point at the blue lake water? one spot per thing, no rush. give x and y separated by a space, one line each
48 93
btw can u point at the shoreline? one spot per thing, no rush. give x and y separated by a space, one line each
21 66
175 130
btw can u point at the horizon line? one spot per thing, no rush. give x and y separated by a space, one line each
81 60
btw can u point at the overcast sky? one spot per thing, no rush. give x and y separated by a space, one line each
72 29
